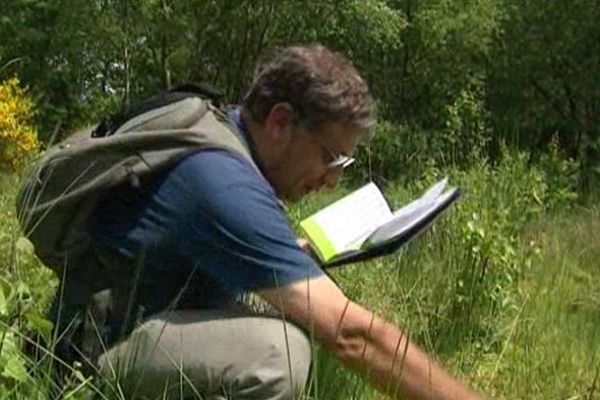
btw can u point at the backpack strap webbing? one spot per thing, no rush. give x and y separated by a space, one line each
65 186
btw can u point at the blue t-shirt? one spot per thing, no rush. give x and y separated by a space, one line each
208 229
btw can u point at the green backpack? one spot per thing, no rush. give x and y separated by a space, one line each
63 188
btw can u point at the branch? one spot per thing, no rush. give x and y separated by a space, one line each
547 96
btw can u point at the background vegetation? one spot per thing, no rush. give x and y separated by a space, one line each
502 96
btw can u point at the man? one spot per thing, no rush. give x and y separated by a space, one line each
210 233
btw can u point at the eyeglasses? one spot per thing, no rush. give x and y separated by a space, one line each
337 160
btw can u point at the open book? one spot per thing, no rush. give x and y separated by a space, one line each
361 225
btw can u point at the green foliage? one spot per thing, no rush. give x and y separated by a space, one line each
85 58
459 290
444 51
499 287
399 151
466 134
542 82
481 242
463 289
525 69
129 49
480 249
558 311
563 175
394 152
500 201
25 288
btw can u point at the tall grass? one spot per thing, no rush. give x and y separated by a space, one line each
554 351
503 289
470 290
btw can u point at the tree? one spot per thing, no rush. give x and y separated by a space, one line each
543 80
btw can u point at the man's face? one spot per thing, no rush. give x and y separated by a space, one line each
306 160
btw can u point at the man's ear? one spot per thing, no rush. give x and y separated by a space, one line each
278 121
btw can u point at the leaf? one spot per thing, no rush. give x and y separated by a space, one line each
12 364
22 289
15 368
40 324
3 302
24 246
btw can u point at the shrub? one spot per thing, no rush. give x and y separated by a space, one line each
474 258
18 136
397 152
563 175
480 244
466 134
25 290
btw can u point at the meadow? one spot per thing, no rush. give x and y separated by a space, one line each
504 289
500 96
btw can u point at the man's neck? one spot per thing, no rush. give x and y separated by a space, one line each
264 152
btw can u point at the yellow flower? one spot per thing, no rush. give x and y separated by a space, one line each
18 136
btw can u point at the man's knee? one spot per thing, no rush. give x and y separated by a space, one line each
236 356
282 356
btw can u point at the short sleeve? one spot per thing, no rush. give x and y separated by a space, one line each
232 225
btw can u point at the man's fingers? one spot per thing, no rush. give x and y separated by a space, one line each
304 245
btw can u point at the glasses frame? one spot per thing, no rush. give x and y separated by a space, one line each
337 160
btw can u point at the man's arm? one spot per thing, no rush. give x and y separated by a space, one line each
375 348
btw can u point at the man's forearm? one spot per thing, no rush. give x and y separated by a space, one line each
366 343
386 357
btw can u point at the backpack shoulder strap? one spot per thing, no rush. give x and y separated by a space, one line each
64 187
110 125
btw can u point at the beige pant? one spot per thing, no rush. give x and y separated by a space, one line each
213 355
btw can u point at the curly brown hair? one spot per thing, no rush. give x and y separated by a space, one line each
320 85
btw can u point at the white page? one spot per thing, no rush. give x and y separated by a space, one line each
424 201
436 190
350 220
409 216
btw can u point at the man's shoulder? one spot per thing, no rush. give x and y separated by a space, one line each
218 166
218 176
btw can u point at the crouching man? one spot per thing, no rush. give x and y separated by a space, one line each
209 233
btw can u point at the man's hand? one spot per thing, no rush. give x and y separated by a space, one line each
305 245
